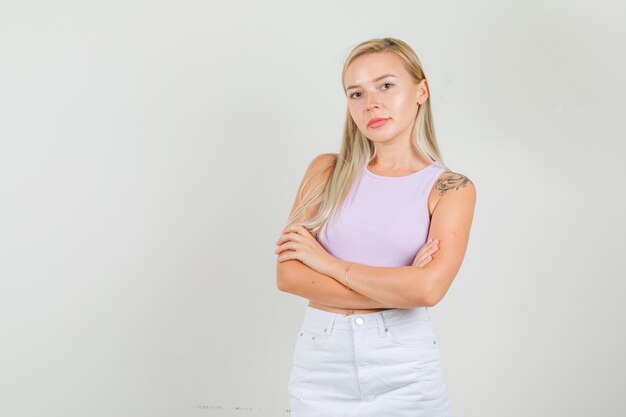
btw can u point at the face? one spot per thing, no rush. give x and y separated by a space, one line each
378 86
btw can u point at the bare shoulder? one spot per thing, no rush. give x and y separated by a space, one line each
315 177
453 187
318 171
322 162
453 181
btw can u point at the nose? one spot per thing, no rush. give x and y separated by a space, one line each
372 102
372 106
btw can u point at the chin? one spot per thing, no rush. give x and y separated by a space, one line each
380 139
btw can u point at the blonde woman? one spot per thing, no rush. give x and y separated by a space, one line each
375 237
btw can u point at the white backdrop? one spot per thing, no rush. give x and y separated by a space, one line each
150 152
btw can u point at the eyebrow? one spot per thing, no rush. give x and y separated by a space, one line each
374 80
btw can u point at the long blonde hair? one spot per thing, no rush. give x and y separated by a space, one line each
357 151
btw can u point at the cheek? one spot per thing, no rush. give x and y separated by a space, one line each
356 114
400 100
403 106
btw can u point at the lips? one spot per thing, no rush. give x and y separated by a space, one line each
377 122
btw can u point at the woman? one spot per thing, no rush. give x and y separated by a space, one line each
375 237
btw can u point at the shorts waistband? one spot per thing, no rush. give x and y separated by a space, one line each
320 318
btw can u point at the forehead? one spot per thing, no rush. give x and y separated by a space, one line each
367 67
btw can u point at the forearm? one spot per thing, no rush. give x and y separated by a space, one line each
403 287
297 278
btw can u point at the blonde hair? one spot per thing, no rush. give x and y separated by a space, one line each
356 150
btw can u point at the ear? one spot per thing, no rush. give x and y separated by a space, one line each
422 92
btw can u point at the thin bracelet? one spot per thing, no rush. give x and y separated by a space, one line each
346 278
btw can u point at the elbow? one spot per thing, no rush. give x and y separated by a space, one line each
431 301
434 295
424 295
282 283
413 300
426 300
431 296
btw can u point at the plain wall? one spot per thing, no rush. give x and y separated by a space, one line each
150 152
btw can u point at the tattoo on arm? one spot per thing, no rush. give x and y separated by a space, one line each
449 182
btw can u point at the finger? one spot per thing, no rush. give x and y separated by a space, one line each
432 246
283 257
286 256
432 241
289 237
418 260
282 248
424 248
299 229
420 256
425 261
286 246
292 228
427 248
281 237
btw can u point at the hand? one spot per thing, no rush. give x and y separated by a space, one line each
424 254
296 242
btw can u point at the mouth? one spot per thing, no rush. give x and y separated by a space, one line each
377 122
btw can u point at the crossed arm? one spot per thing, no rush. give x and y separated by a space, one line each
297 278
370 286
395 287
389 287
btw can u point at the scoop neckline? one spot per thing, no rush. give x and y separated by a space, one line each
384 177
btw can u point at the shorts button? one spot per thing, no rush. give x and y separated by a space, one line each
359 320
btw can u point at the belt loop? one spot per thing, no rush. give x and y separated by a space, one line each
330 325
381 324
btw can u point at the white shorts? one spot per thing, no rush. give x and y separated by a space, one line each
383 364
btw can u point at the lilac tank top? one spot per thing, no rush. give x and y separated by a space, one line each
384 221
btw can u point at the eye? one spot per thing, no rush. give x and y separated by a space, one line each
389 84
352 95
